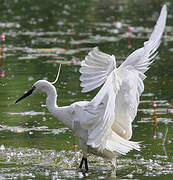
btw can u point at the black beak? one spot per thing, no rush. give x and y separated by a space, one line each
25 95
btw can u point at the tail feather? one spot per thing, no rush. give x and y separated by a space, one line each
115 143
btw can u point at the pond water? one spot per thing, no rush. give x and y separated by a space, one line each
40 35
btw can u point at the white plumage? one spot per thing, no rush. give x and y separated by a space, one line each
120 93
104 124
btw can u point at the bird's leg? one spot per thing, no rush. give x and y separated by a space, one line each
86 163
81 163
114 163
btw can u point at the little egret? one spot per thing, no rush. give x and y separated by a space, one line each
104 124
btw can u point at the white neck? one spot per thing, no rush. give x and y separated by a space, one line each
61 113
51 99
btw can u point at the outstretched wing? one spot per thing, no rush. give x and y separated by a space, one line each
119 96
132 72
142 58
95 69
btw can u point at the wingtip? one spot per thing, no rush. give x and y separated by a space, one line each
164 8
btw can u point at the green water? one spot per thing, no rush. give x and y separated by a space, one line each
40 35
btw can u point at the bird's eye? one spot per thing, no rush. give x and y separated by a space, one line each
33 87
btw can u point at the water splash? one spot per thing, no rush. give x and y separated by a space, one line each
34 162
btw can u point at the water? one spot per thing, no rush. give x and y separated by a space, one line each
40 35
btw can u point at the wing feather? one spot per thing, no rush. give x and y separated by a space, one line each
117 101
90 86
132 73
144 55
96 65
88 77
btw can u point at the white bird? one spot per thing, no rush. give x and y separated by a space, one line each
104 124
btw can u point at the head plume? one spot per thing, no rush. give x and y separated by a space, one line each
57 75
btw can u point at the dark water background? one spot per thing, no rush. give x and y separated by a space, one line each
40 35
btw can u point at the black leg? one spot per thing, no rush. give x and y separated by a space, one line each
81 163
86 163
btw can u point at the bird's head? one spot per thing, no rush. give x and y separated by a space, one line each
41 86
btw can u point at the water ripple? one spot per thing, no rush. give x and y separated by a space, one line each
50 163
